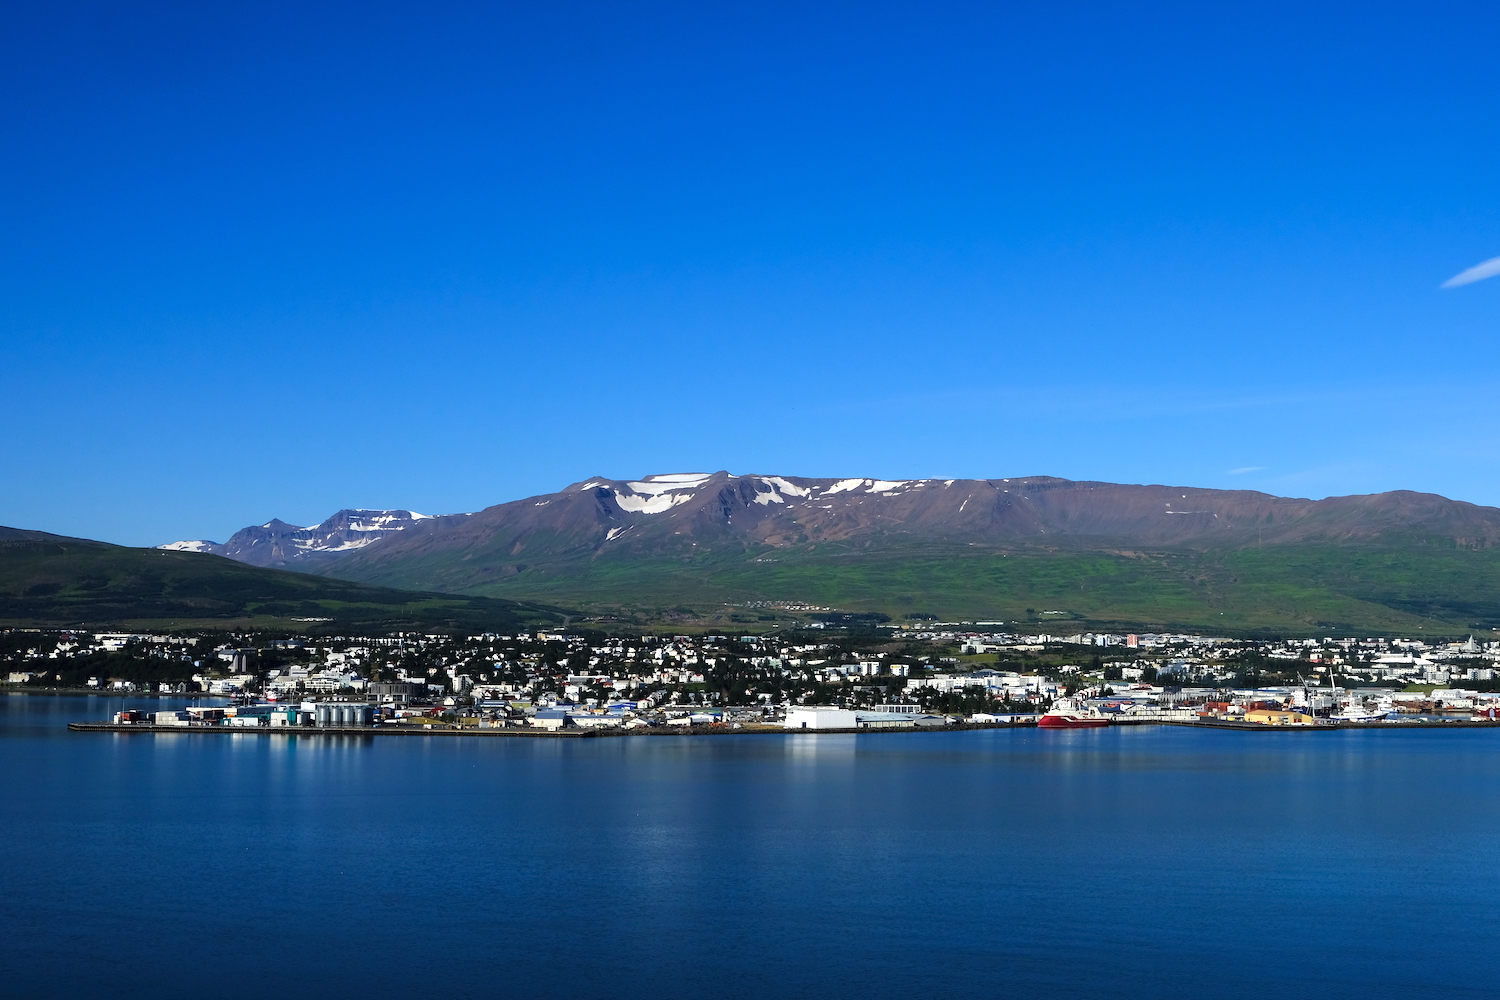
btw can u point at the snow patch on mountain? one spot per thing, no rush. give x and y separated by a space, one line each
385 520
197 545
785 488
666 484
349 545
651 504
656 494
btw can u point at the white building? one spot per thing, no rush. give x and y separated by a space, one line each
820 718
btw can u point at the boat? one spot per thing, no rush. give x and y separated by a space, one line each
1066 713
1353 711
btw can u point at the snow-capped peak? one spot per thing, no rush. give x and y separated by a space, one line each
277 543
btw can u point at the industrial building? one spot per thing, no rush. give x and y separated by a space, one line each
824 717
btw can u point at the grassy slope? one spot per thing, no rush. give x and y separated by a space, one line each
71 582
1304 588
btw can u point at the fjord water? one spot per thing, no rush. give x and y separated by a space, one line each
1137 862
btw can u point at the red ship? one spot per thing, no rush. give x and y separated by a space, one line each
1066 714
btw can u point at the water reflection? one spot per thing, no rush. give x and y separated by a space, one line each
878 864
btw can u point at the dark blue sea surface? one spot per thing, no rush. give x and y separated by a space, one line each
1127 862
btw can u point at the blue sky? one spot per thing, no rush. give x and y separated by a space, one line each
269 261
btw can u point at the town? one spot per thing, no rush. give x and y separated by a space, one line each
892 677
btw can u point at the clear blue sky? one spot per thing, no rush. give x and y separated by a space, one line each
269 261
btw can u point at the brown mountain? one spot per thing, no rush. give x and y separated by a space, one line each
706 537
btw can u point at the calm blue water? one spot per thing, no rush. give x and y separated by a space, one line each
1132 862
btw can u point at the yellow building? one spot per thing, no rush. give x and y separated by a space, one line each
1278 717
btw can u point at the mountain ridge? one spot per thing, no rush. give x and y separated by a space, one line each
680 512
784 510
289 546
1130 555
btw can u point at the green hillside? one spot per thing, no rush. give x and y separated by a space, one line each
1295 589
721 547
54 581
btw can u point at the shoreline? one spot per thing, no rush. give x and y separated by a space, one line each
519 732
524 733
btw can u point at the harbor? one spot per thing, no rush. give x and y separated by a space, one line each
939 678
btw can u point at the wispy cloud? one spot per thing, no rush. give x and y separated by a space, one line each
1246 468
1478 272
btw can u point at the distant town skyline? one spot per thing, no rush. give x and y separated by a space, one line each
284 260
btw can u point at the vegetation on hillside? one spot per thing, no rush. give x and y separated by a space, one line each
65 582
1294 589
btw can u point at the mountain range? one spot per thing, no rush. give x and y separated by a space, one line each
1027 548
282 545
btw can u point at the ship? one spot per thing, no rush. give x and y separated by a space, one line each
1353 711
1066 713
